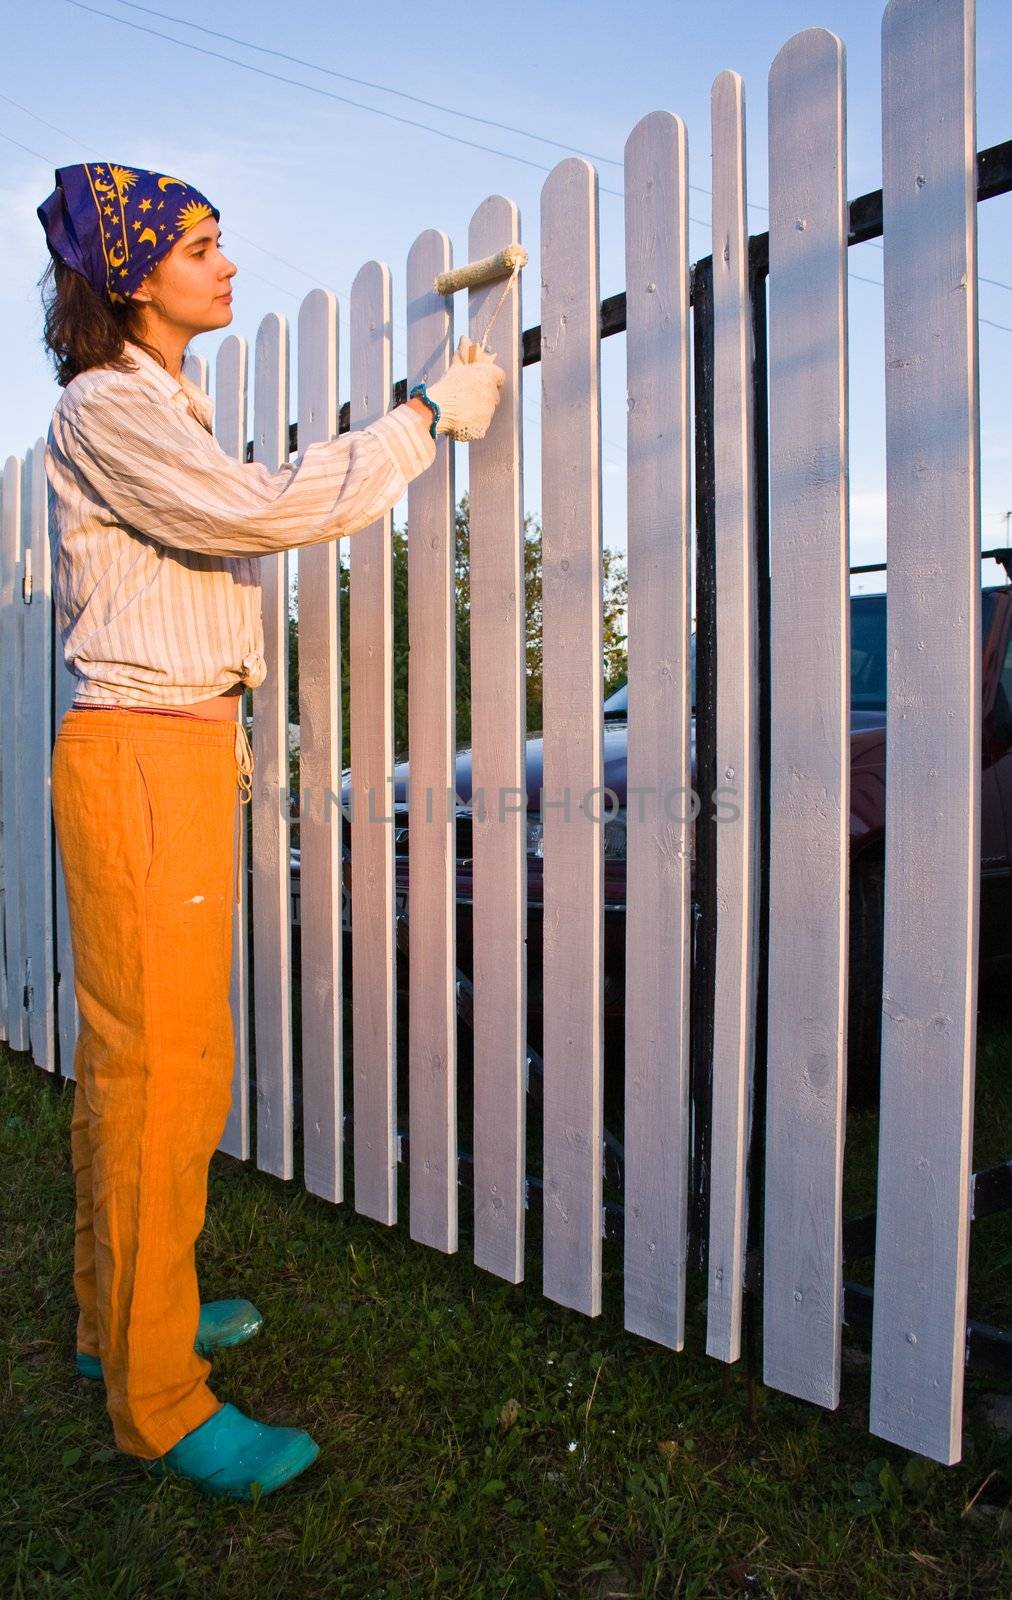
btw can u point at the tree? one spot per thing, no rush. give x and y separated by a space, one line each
614 637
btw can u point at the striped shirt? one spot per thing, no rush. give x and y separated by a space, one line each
156 531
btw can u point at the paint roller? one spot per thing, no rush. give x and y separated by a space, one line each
505 263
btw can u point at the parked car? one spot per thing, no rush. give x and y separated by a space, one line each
867 833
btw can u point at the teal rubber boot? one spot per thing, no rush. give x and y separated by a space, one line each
222 1323
232 1457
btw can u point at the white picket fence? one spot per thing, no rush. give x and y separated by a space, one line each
933 733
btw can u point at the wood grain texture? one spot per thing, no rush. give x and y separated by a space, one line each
498 771
230 413
736 969
432 922
374 1012
320 780
809 720
659 809
933 726
573 802
272 1004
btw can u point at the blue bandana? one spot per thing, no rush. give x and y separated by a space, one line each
114 224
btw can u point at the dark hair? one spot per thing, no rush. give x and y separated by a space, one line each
83 330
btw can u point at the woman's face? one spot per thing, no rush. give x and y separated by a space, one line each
189 285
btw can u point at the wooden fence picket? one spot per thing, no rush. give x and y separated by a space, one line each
230 391
36 745
498 739
736 972
374 1011
11 723
432 864
573 799
67 1016
933 717
659 825
320 832
809 720
198 370
272 1000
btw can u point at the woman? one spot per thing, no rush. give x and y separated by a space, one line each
156 534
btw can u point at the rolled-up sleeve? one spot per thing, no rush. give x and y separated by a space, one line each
164 475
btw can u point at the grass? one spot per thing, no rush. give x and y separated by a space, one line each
477 1440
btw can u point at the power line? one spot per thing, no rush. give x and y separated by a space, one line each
25 147
366 83
527 396
984 321
401 94
328 94
452 111
297 83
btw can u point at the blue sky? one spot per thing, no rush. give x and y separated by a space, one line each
310 187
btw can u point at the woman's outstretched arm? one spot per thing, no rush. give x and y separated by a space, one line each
166 477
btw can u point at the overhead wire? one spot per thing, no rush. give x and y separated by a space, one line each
297 83
290 292
453 111
328 94
529 400
401 94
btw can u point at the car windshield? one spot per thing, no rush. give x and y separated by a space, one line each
867 655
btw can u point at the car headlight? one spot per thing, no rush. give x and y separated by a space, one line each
614 836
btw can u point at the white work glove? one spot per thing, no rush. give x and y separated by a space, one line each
468 392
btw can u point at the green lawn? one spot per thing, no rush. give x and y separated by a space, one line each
477 1440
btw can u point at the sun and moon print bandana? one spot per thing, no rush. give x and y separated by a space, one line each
114 224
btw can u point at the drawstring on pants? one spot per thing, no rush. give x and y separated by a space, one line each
244 766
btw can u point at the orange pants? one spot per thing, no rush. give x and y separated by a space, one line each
144 806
